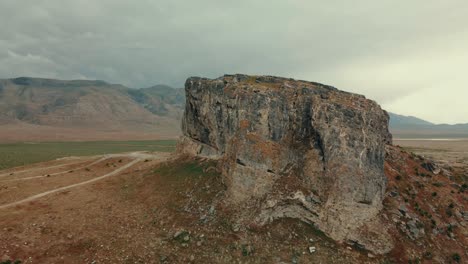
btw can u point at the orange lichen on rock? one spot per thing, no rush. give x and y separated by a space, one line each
244 124
266 129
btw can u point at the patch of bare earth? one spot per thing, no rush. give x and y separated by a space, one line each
152 212
172 210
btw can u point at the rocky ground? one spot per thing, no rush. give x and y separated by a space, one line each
426 209
448 153
163 210
153 212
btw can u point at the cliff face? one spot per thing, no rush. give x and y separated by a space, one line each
293 149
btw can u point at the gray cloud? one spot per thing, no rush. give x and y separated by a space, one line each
407 55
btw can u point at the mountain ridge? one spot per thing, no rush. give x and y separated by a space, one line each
98 105
412 127
93 105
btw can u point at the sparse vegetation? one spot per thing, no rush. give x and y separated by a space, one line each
463 187
11 262
450 228
247 250
456 257
386 261
449 212
186 169
19 154
414 261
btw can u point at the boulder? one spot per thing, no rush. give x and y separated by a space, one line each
294 149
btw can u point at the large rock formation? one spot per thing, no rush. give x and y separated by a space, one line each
293 149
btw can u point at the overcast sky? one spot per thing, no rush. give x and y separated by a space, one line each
410 56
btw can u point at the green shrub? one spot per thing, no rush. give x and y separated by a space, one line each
463 187
450 228
11 262
456 257
427 255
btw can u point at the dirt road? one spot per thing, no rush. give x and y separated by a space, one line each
134 158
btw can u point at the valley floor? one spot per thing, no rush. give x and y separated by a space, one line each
452 152
21 154
153 207
23 132
141 208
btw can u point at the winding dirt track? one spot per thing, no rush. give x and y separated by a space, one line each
136 156
56 173
36 169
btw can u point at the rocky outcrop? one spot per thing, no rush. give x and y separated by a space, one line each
293 149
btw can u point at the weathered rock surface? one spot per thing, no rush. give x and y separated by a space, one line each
293 149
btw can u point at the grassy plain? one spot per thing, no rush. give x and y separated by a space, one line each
19 154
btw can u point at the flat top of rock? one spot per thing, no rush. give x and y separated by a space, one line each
262 79
271 80
247 85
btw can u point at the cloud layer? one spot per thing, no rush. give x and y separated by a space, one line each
410 56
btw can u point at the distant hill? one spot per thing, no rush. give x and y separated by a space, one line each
401 120
36 109
413 127
57 105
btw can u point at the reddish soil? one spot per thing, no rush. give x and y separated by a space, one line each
436 202
15 188
133 217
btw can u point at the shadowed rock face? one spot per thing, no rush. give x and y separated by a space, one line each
293 149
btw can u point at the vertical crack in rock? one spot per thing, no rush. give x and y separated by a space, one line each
293 149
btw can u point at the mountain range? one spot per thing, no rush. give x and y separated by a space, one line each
47 109
413 127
